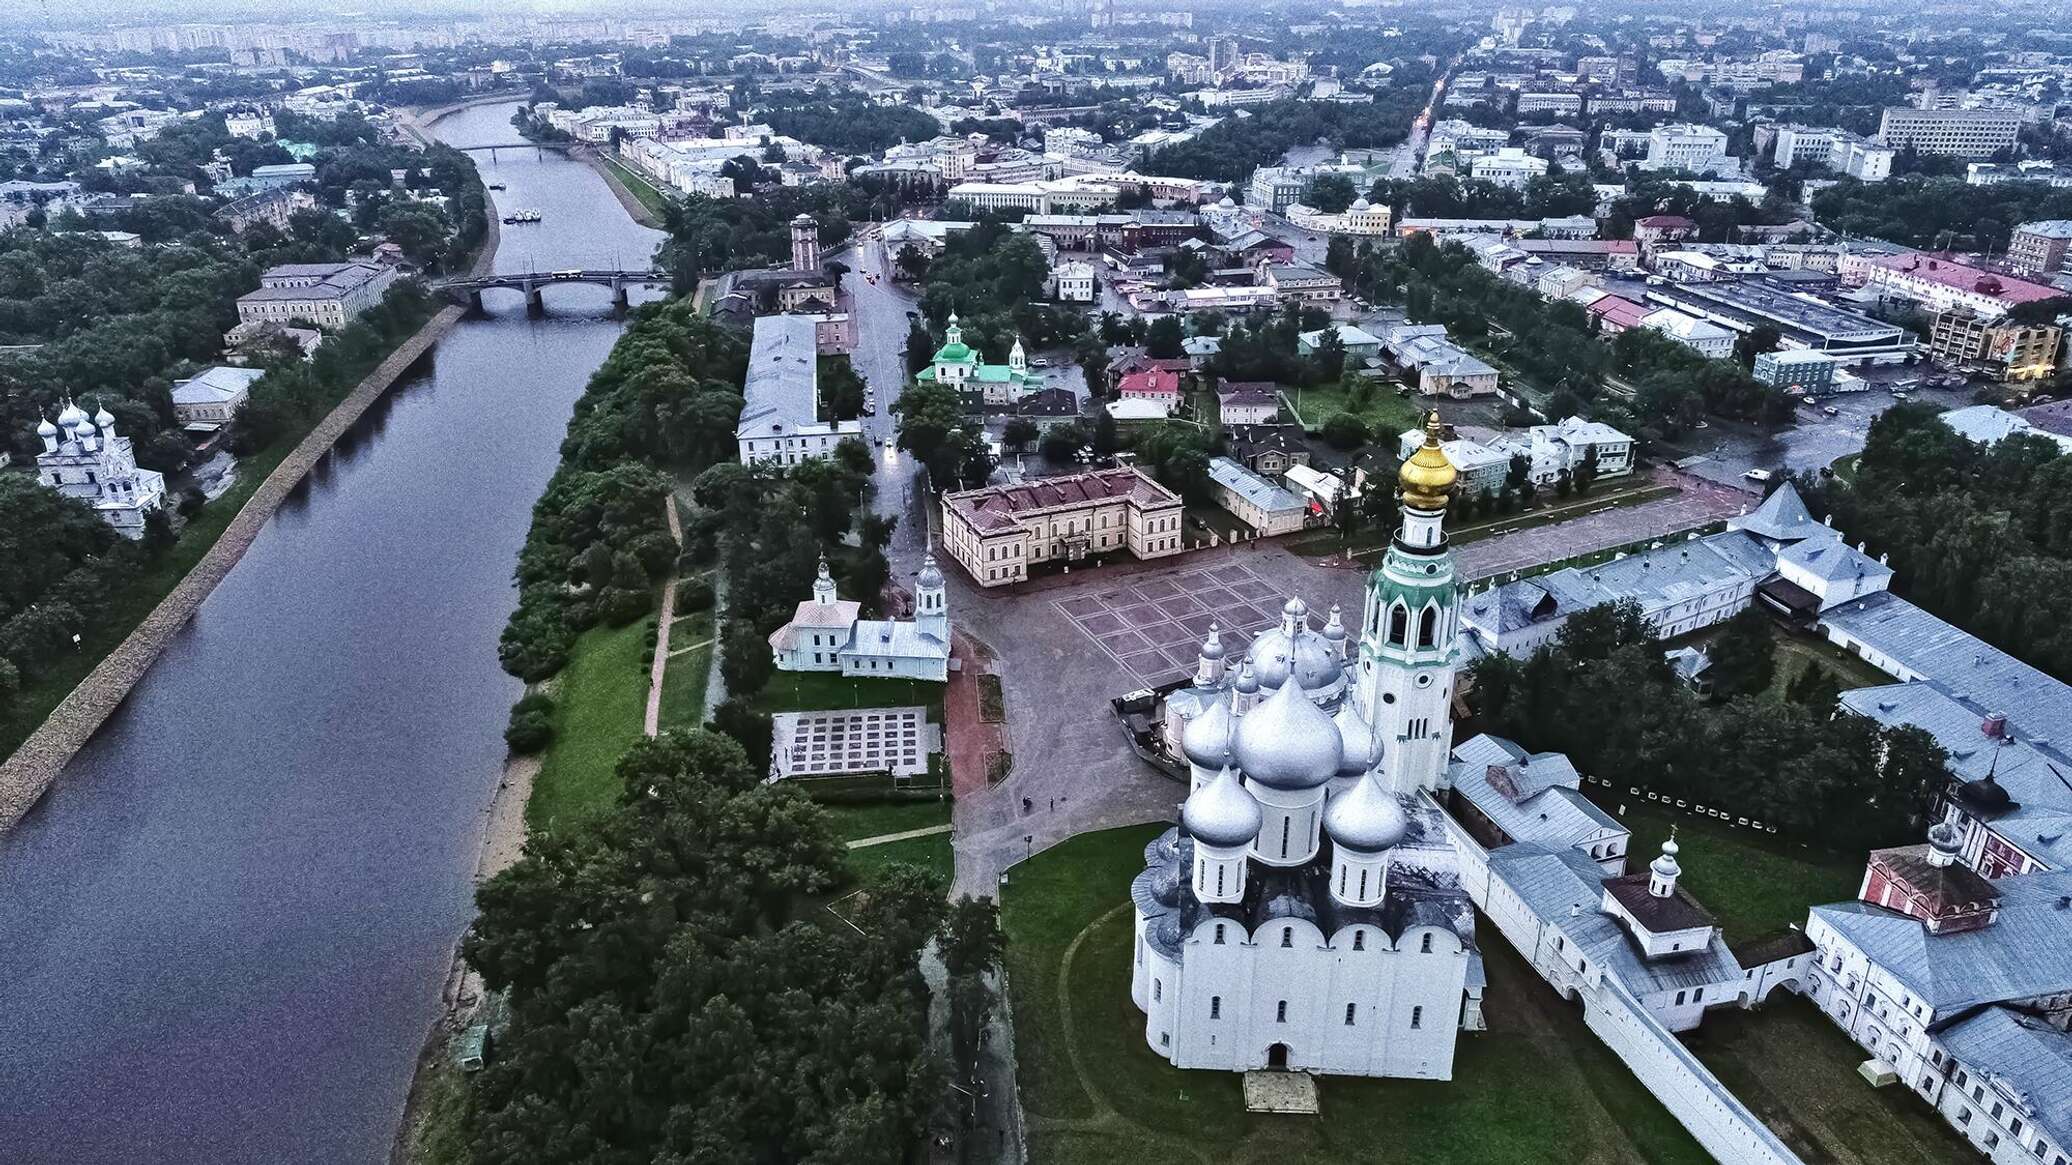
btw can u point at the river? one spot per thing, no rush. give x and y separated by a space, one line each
223 933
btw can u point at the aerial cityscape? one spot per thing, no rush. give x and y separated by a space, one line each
1036 581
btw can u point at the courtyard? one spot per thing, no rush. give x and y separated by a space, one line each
1153 628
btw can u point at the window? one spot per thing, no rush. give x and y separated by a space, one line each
1343 872
1363 883
1157 990
1165 1039
1424 945
1215 1007
1679 998
1428 627
1350 1009
1280 1012
1287 936
1219 892
1219 934
1416 1018
1287 823
1399 623
1359 940
1698 996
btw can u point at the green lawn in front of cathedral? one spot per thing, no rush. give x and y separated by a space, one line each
812 691
1536 1088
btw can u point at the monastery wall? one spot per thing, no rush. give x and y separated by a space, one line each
1686 1087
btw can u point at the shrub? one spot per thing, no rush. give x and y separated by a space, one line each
693 594
529 730
1345 431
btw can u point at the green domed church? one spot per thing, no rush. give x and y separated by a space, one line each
961 367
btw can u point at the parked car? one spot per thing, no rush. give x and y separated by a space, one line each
1830 410
1759 475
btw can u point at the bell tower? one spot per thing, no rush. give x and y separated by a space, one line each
1408 656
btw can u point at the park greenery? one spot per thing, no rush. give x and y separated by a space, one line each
1980 535
666 398
848 123
1604 693
677 992
1939 213
1556 194
1230 150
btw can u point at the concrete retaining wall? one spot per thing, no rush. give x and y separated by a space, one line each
34 767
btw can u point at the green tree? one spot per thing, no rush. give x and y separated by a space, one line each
1744 655
1345 431
1020 433
1163 339
745 663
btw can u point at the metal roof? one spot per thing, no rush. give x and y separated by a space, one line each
2024 1057
2024 954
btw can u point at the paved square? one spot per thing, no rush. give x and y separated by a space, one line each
1151 627
852 740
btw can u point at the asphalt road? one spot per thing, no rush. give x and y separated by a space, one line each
881 318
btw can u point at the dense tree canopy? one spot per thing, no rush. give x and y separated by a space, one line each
1939 212
675 998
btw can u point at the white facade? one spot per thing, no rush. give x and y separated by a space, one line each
1073 281
209 400
1697 148
1307 913
84 458
780 419
1511 167
1701 336
329 295
824 634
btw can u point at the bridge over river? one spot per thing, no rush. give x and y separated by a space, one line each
533 283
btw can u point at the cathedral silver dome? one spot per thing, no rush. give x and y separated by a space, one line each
1295 649
1365 818
1221 813
1287 742
1206 739
1359 743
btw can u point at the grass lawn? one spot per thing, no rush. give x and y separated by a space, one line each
855 821
1753 883
1797 1071
1536 1088
930 853
643 191
683 683
796 691
600 701
1386 413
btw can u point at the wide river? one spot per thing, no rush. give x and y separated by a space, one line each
223 933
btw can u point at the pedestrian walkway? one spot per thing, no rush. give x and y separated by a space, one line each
908 835
660 666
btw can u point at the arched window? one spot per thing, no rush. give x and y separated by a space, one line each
1428 627
1399 623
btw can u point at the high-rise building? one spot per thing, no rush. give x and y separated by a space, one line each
1963 133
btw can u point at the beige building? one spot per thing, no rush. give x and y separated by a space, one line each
329 295
998 534
2008 351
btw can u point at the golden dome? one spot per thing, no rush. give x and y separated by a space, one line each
1427 476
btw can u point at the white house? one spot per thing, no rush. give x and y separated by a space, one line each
1073 282
824 634
780 420
1701 336
209 400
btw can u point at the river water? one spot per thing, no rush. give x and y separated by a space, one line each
223 933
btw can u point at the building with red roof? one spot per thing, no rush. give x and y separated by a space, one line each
1941 281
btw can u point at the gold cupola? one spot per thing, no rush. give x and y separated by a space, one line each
1427 476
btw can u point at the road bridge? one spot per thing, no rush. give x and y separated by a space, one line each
533 283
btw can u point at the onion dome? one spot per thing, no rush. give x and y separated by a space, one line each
45 429
1247 681
1212 647
1206 739
1166 931
1293 648
1360 744
1227 203
1221 813
1334 627
1165 884
1287 742
931 574
102 418
1427 477
72 416
1665 867
1365 818
1360 204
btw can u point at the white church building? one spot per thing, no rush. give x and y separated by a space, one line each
84 458
1307 913
825 634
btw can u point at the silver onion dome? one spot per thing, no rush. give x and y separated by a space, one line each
1365 818
1287 742
1359 743
1221 813
1295 649
1206 739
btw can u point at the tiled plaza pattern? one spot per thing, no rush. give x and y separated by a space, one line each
1154 626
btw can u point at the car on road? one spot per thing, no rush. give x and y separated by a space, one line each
1830 411
1039 362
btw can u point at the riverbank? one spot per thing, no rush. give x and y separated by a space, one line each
643 211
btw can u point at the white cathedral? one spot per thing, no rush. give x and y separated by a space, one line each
84 458
1307 913
825 634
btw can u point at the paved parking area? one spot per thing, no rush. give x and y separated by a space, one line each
1153 627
